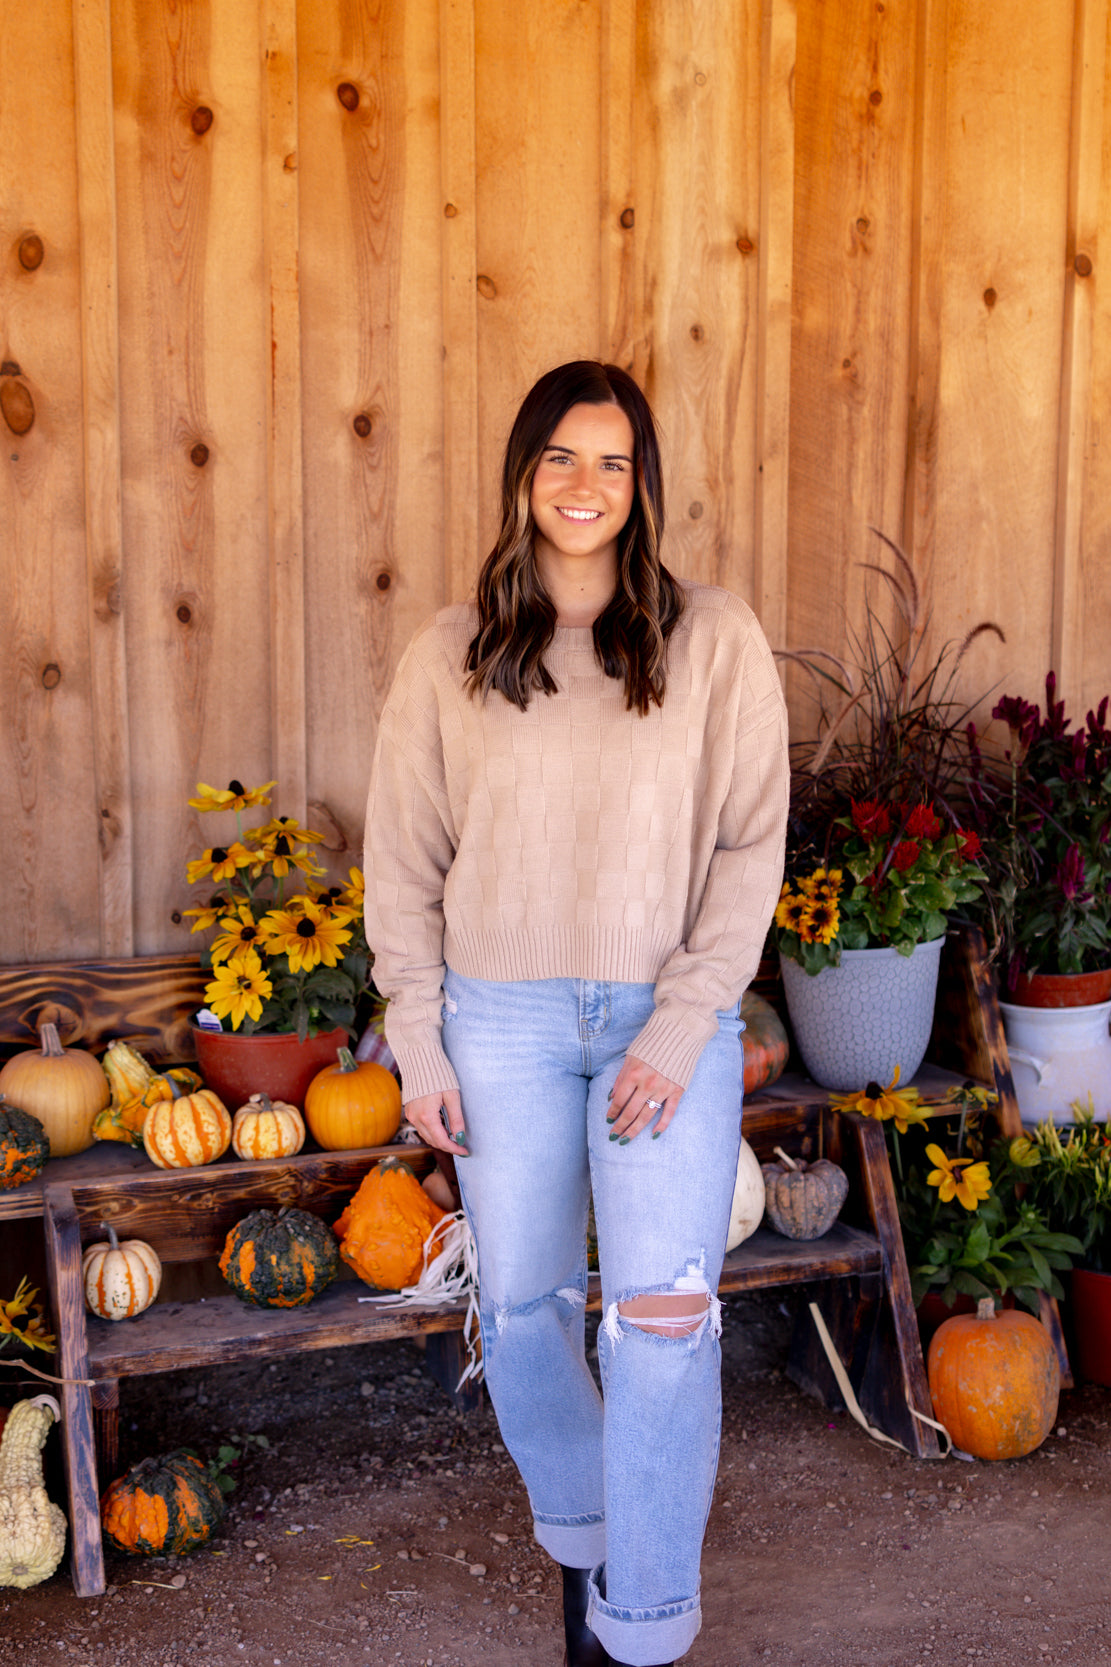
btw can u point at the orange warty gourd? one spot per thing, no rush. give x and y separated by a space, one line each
994 1380
383 1229
350 1105
24 1147
165 1505
266 1128
188 1130
63 1087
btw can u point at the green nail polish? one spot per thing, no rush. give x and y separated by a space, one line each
656 1134
625 1139
615 1137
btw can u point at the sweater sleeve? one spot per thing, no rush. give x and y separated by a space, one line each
409 847
722 952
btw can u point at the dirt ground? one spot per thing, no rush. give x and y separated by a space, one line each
383 1529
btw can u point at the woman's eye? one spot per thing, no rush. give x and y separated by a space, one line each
615 464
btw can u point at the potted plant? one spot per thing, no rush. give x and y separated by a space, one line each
879 854
1067 1177
289 960
968 1232
1046 796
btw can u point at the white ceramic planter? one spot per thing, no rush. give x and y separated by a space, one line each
1059 1054
854 1023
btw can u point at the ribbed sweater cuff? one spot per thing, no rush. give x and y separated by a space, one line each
424 1070
670 1047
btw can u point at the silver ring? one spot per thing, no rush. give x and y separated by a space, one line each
653 1105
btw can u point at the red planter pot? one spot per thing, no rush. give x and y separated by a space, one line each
1061 989
1090 1300
235 1067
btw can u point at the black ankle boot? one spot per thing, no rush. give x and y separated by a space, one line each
583 1649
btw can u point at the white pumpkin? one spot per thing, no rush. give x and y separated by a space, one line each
747 1209
121 1279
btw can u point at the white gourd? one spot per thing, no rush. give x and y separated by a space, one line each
121 1278
32 1529
747 1209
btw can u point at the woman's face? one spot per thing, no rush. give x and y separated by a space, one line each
582 491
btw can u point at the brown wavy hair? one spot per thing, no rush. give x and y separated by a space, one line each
516 616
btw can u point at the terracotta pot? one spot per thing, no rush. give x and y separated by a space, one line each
235 1067
1060 989
1090 1301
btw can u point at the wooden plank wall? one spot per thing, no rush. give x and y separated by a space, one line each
274 277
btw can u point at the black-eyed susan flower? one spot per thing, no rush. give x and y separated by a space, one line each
821 921
238 931
902 1108
232 797
222 862
958 1178
25 1307
791 911
310 937
822 883
291 828
207 914
238 989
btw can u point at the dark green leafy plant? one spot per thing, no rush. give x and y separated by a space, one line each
1069 1180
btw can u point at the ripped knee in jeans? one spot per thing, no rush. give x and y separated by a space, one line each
686 1309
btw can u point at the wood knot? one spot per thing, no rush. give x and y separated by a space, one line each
17 405
384 580
10 368
348 95
198 454
745 245
31 252
628 218
697 333
184 613
990 298
362 425
487 286
700 78
51 675
863 225
875 96
201 119
695 511
1082 265
450 211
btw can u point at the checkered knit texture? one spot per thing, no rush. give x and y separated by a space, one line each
578 839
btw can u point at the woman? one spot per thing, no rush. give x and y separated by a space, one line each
574 847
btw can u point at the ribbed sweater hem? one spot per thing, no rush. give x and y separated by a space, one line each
611 953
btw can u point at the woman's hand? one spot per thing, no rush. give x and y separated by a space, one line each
638 1096
424 1115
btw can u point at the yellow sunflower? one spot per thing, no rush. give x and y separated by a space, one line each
821 921
238 931
884 1103
791 911
232 797
222 862
310 936
958 1178
238 988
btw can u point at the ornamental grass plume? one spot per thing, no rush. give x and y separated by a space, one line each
283 960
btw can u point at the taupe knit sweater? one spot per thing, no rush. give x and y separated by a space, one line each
577 839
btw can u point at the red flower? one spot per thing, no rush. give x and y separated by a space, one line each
969 844
922 823
905 855
871 819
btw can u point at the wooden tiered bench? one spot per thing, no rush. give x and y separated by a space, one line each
857 1271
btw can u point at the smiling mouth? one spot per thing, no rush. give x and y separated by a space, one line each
579 514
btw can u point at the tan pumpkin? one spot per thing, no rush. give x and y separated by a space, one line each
994 1381
121 1277
189 1130
803 1200
266 1128
63 1087
352 1104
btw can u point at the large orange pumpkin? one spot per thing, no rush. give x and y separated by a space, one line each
766 1046
994 1380
63 1087
349 1105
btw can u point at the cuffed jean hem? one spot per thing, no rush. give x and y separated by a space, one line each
577 1545
641 1637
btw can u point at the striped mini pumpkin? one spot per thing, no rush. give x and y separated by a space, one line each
120 1279
189 1130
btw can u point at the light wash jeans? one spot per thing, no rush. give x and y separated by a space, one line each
622 1489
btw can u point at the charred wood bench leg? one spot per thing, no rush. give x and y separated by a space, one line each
106 1423
446 1358
850 1309
63 1255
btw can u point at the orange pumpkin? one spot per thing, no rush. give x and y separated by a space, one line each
994 1380
383 1230
63 1087
351 1104
266 1128
188 1130
766 1045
